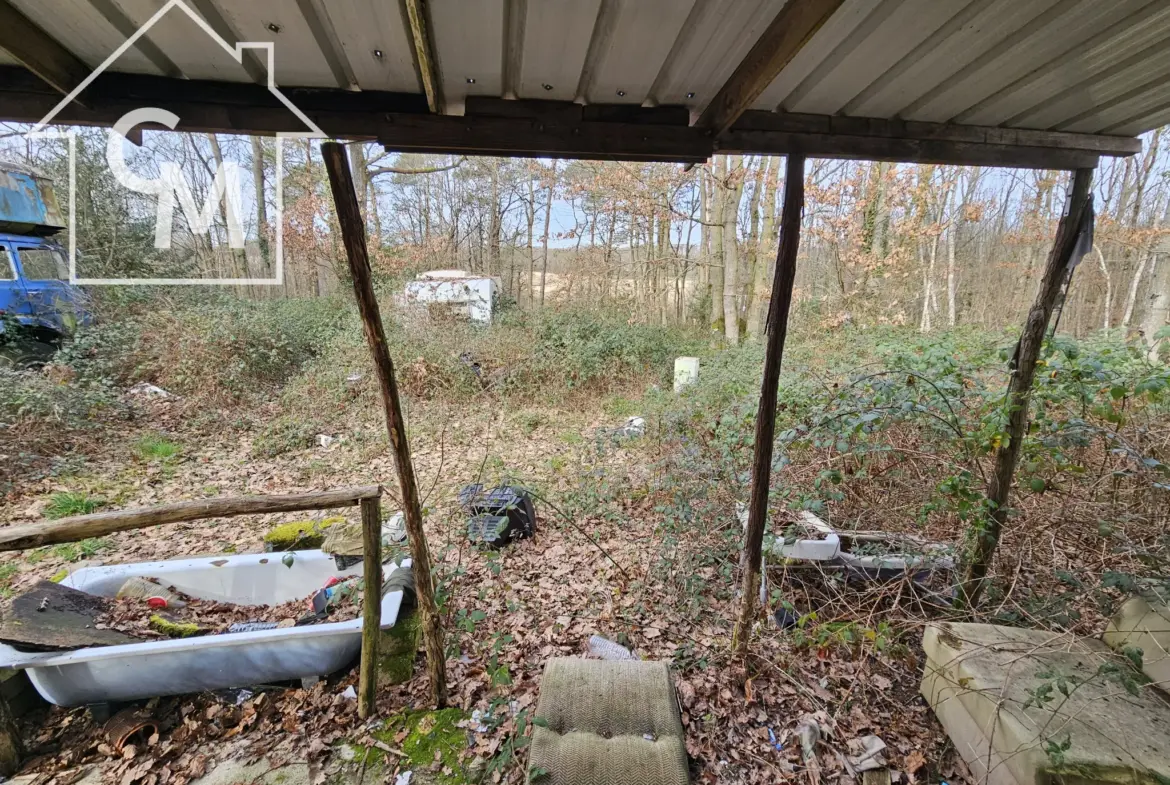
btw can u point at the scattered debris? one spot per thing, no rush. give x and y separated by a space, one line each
149 591
866 753
608 650
633 428
325 440
784 618
349 693
498 516
148 390
344 540
52 617
131 724
403 778
810 540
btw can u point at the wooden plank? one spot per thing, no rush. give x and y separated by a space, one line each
797 22
353 235
539 138
782 285
371 604
797 123
52 617
428 68
80 527
874 148
38 51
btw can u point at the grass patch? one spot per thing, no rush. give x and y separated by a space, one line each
86 549
156 447
69 503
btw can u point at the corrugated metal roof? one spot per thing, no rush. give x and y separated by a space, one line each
1093 66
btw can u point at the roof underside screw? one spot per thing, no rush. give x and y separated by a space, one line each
690 95
378 53
621 93
471 80
546 86
273 26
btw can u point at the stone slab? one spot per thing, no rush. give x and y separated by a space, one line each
1144 624
990 671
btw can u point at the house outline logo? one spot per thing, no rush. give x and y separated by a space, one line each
41 131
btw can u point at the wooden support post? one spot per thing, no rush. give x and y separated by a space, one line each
766 415
353 232
987 528
371 604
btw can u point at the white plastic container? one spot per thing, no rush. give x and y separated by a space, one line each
686 372
826 547
173 667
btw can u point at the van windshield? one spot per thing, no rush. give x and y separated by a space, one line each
43 264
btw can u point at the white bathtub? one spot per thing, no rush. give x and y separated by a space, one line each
172 667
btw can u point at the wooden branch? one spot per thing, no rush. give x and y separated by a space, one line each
353 234
782 286
371 604
38 51
989 525
788 33
428 68
80 527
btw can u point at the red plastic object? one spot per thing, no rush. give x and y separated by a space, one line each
156 602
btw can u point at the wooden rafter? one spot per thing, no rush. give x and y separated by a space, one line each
38 51
316 16
788 33
424 52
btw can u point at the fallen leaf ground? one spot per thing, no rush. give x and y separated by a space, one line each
610 567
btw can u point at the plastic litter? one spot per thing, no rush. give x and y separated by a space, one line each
325 440
632 428
499 515
866 753
608 650
785 619
403 778
148 390
252 626
349 693
154 594
776 745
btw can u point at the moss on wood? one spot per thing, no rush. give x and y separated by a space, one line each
396 650
299 535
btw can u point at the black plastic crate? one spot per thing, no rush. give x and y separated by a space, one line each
492 530
512 504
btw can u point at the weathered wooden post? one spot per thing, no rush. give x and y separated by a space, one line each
353 234
777 328
371 603
989 526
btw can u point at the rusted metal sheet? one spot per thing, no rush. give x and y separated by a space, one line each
28 203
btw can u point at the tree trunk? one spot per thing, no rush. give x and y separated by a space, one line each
494 221
731 250
261 199
1107 319
552 184
766 414
531 215
718 208
353 232
767 240
988 526
1158 310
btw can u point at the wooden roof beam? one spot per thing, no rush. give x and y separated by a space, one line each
788 33
419 18
38 51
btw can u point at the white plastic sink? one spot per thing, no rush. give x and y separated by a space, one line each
173 667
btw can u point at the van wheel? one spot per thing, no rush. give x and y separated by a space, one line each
26 355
